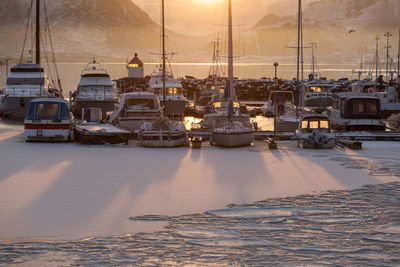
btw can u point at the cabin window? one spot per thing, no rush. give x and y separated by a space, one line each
157 91
323 124
46 111
313 124
304 124
371 107
133 65
140 103
358 107
316 89
25 81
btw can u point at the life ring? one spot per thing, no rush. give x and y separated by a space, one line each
371 90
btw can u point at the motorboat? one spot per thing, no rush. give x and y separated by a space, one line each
95 90
355 112
231 128
163 133
134 109
278 101
26 81
48 119
386 93
318 95
315 132
175 101
289 116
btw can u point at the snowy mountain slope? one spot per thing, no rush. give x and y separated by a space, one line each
113 29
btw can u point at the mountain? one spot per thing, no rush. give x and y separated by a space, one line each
82 29
328 23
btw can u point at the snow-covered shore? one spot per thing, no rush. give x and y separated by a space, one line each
71 191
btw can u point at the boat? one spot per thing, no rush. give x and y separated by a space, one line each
393 122
231 133
134 109
278 101
26 81
163 133
355 112
386 93
48 119
219 110
95 89
287 120
318 95
229 130
315 132
175 102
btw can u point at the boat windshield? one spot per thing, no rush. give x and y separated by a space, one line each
225 105
318 89
48 111
315 124
25 81
174 91
140 103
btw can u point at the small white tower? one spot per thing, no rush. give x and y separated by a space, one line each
135 68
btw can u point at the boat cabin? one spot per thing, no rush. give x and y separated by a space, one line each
357 106
314 122
48 119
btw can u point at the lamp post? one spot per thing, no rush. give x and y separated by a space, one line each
276 64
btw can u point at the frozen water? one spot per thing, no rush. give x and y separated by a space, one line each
391 228
340 227
265 213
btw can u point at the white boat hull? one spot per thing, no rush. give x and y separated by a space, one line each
163 138
15 107
232 139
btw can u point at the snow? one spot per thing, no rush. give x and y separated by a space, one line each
70 191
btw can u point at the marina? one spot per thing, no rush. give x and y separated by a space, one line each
152 154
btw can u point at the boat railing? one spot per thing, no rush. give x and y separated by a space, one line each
96 96
24 92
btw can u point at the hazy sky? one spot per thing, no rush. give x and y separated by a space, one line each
197 17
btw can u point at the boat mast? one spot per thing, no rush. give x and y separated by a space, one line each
38 32
398 59
387 35
313 45
298 56
376 57
230 51
163 52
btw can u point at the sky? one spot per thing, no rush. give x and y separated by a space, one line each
200 17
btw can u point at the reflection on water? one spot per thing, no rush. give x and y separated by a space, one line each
345 227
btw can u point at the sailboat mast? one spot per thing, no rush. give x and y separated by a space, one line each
387 35
313 45
230 50
376 57
38 32
163 52
398 59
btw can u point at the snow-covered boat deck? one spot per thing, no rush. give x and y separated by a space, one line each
67 191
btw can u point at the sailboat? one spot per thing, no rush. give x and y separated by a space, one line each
25 82
162 132
228 131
